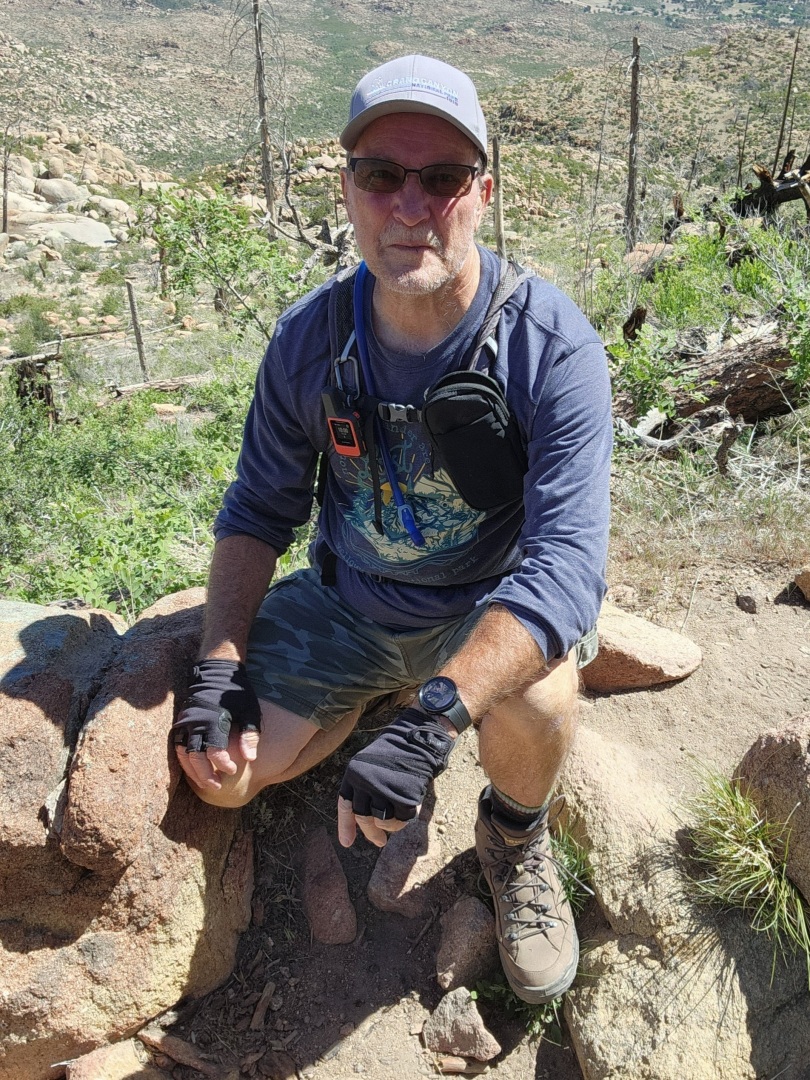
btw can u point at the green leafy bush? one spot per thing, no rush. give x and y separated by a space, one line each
110 275
689 290
650 371
210 242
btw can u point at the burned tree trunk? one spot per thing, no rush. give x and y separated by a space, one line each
748 378
764 199
34 384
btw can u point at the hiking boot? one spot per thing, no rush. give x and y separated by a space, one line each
534 924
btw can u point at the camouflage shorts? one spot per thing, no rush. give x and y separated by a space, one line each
320 658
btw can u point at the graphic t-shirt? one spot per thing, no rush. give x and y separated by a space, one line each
544 559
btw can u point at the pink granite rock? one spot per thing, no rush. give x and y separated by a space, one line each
410 858
635 653
329 911
88 955
126 735
776 774
456 1027
468 950
120 1061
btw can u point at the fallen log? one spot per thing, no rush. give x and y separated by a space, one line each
161 384
747 376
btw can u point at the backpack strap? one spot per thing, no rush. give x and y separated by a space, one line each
512 276
341 315
341 335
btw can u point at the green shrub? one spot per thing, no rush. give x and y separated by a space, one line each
110 275
33 328
112 303
212 243
797 307
649 370
689 290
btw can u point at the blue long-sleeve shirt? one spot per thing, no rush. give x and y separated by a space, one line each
544 560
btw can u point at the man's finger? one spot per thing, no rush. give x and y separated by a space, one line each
198 769
249 745
370 828
221 761
347 827
390 825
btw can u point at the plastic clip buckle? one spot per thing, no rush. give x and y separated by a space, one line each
393 413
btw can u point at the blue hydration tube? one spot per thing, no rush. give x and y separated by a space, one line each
404 512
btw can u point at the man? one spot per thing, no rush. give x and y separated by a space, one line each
487 612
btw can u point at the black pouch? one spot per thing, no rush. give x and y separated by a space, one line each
475 438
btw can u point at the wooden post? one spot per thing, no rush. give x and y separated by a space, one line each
787 103
268 179
136 326
742 148
693 170
500 242
6 157
630 217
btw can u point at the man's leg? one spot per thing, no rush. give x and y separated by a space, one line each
289 746
524 740
523 743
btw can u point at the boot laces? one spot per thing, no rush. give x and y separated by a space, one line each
519 869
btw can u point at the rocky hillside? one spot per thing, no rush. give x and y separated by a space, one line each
135 74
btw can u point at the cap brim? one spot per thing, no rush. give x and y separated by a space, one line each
354 129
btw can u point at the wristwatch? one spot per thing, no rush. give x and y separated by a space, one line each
439 697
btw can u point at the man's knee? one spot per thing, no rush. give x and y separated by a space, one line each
234 792
550 702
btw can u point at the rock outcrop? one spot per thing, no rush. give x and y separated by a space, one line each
120 892
776 775
668 989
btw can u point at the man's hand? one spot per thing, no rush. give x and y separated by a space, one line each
384 785
219 697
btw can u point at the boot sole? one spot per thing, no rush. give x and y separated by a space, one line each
539 995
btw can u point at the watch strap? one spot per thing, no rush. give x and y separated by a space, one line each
458 716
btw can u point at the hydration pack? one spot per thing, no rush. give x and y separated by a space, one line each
464 415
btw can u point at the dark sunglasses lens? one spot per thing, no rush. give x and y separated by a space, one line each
447 181
371 174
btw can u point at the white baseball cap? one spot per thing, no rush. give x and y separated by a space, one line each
416 84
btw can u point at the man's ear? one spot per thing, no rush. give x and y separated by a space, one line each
487 187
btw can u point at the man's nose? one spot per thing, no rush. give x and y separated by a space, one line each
411 201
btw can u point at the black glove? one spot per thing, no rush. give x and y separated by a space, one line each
219 694
390 777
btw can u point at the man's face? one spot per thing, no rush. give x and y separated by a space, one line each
415 243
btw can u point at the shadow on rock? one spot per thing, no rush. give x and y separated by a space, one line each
120 892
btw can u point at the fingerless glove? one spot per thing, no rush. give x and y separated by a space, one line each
219 695
389 779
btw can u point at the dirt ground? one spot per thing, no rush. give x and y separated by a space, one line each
339 1012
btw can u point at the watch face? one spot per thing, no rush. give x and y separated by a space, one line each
438 694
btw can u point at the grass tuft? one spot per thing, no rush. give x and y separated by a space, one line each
740 861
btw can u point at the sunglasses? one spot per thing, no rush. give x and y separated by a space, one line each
386 177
